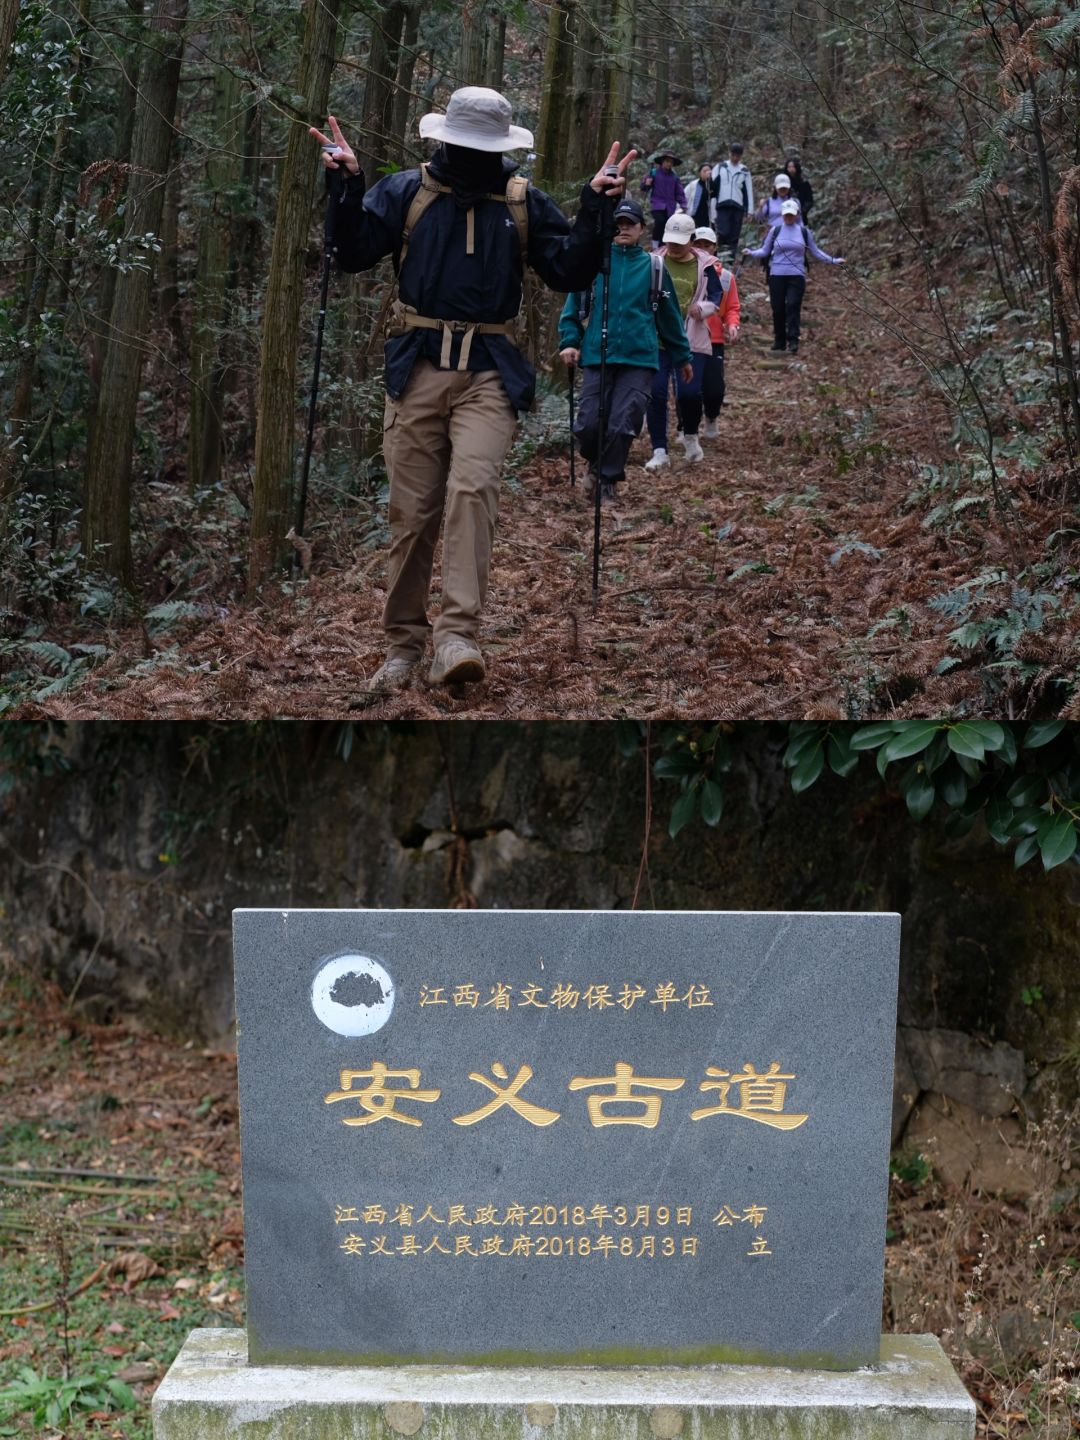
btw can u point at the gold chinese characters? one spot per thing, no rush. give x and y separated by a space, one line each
748 1094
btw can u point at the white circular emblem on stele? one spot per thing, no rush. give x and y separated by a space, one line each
352 995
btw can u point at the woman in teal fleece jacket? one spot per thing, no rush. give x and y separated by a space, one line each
635 332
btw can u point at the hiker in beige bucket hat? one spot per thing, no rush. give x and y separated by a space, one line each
460 230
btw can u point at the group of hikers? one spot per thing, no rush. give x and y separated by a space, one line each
460 229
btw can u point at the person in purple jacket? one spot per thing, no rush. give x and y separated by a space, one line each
666 193
785 247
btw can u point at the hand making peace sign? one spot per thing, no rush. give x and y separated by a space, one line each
612 186
338 151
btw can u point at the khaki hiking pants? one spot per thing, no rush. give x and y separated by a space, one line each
444 443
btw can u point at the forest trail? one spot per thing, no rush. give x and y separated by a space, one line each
789 574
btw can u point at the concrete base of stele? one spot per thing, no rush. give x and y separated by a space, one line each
211 1393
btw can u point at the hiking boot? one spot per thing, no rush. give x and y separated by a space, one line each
608 492
710 430
590 483
793 347
692 448
456 662
775 348
659 460
393 674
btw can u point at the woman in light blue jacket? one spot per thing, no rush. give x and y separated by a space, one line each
786 247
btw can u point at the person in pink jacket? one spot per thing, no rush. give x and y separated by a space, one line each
723 325
698 291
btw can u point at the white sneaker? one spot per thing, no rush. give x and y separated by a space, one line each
455 663
711 430
693 449
393 674
658 461
680 438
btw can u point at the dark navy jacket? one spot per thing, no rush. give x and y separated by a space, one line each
440 280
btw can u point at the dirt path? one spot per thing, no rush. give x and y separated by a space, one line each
788 574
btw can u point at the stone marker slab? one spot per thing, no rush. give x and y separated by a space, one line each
563 1138
210 1393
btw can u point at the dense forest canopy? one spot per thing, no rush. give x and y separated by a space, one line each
159 244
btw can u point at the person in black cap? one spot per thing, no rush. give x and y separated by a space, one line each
734 189
666 193
643 311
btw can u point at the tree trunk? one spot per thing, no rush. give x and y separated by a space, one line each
168 296
386 107
215 264
107 499
495 54
662 56
583 31
378 141
684 65
620 76
43 267
553 131
127 90
474 23
399 122
9 16
274 435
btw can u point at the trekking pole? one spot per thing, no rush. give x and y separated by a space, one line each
607 230
335 189
570 374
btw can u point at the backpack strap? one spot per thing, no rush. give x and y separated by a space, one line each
656 279
425 197
517 188
430 190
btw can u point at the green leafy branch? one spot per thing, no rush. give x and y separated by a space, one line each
1022 779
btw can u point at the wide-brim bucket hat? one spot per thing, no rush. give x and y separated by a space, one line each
477 119
665 155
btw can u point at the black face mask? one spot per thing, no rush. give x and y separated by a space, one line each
471 174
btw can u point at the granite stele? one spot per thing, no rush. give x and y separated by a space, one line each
565 1138
560 1176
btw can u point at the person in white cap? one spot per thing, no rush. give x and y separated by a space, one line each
786 247
768 212
460 230
723 325
697 289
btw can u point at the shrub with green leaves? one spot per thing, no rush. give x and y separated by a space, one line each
1022 779
52 1402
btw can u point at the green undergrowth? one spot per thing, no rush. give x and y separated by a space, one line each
104 1273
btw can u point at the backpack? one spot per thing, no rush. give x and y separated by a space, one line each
776 231
656 288
397 317
514 199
